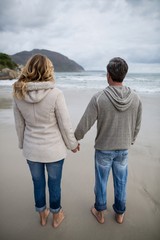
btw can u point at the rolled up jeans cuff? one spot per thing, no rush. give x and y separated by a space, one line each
118 211
40 209
55 210
100 208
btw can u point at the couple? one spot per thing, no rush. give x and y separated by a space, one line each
44 132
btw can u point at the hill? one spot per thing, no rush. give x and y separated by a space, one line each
61 63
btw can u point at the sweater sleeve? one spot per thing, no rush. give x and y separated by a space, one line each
64 122
138 122
88 119
19 124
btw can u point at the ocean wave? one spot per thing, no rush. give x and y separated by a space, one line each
7 82
145 83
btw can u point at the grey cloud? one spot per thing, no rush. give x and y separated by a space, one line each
143 55
145 8
17 15
135 3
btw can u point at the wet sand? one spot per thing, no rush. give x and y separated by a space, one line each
142 220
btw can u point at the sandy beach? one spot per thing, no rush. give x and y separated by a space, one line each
142 220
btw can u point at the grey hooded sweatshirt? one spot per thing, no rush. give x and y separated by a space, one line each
117 110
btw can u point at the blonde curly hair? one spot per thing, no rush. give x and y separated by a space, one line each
38 68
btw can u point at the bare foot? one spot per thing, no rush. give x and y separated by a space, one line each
119 218
57 218
98 215
44 216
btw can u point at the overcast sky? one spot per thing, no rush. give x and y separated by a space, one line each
87 31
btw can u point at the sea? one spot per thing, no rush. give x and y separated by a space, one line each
140 82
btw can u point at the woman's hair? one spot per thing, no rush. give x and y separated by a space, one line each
117 69
37 69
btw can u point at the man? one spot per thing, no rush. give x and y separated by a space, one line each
117 110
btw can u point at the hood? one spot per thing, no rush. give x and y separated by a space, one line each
120 96
36 91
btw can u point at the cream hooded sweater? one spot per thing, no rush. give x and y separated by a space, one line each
43 123
117 111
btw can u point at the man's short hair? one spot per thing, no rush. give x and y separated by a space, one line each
117 69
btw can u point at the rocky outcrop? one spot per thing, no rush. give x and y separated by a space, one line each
7 73
61 63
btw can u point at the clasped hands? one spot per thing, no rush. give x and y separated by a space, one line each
76 149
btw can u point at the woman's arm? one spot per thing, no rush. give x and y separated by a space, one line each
64 123
19 124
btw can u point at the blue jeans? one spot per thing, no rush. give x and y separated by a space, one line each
54 171
104 161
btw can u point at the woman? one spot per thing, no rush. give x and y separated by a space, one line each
44 131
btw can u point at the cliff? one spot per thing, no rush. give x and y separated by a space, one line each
61 63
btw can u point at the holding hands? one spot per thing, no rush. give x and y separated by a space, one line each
76 149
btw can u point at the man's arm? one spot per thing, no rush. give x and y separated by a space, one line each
138 122
88 119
